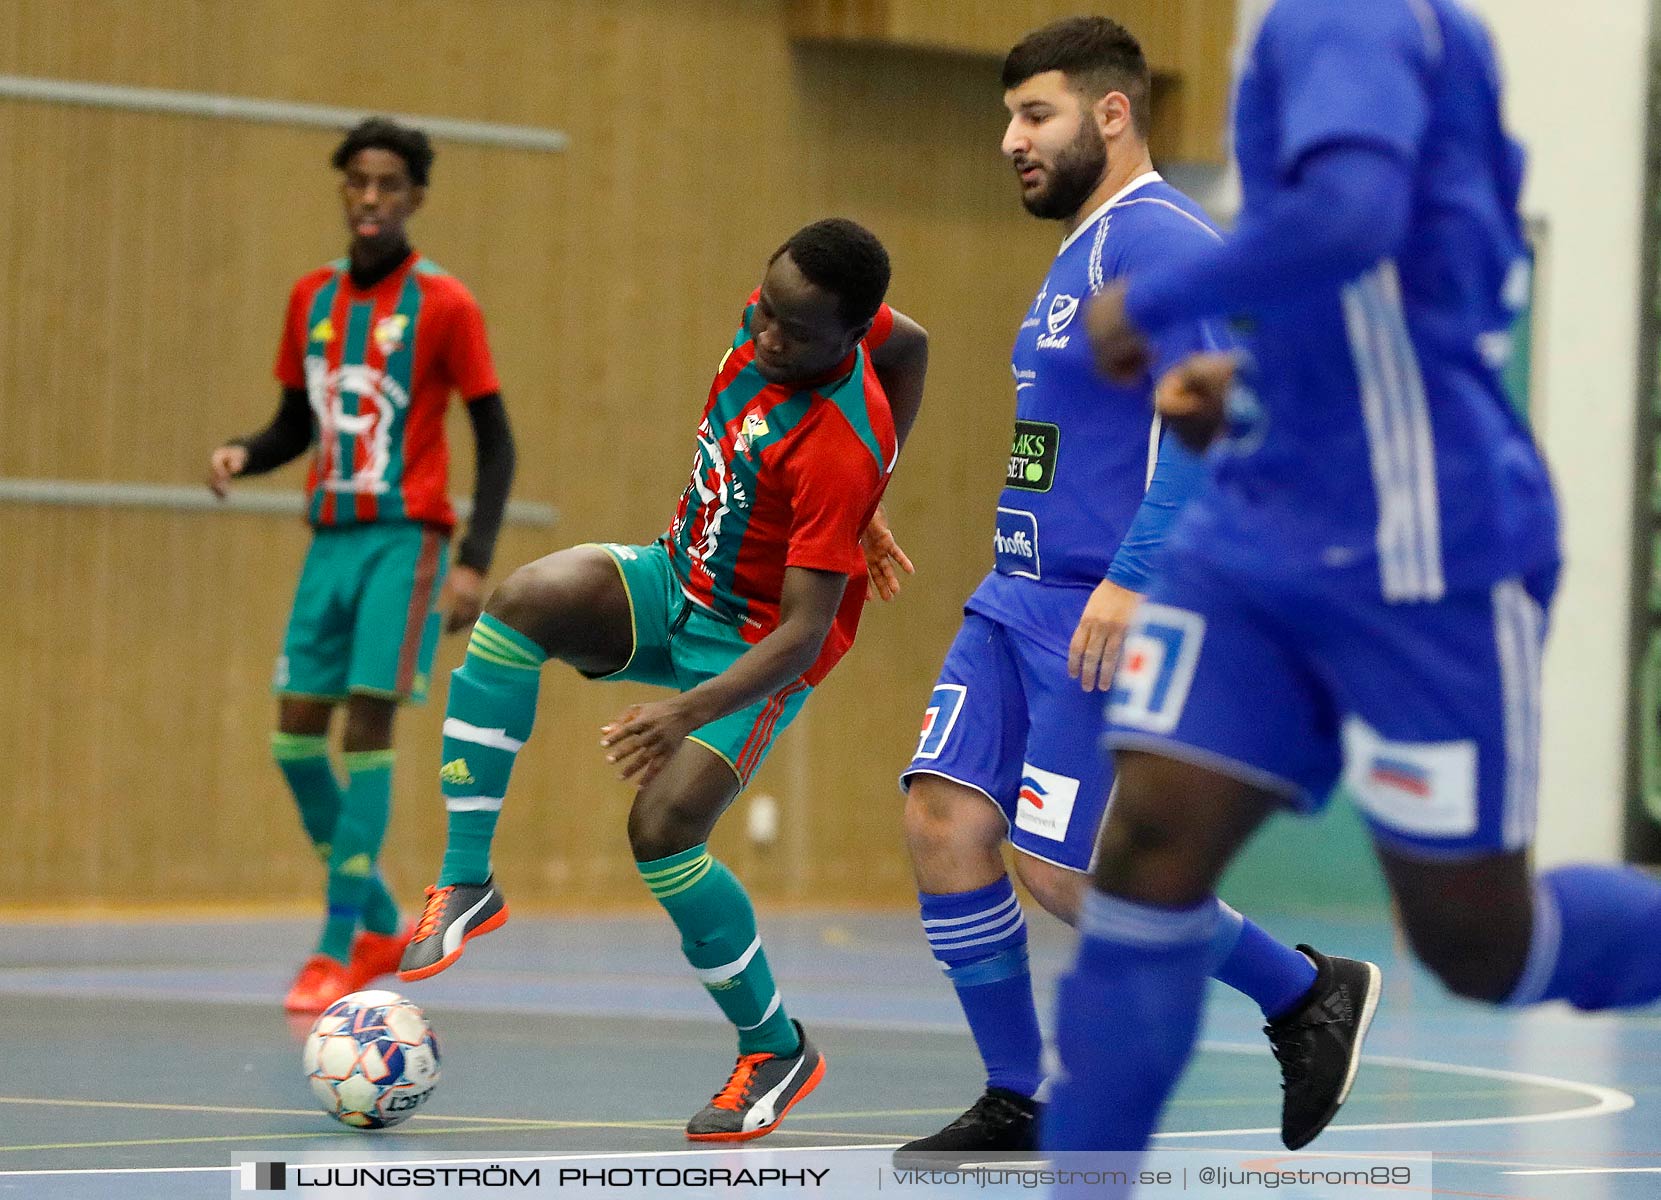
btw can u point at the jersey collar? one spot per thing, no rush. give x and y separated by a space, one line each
1140 181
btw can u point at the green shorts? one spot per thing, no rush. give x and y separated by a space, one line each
365 617
679 644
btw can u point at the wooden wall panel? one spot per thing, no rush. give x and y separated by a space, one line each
1187 43
142 280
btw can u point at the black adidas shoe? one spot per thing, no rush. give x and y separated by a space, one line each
1318 1044
1001 1121
760 1090
453 916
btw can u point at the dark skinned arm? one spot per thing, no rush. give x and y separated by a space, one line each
642 738
901 364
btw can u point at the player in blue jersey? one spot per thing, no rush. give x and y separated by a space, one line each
1359 592
1091 487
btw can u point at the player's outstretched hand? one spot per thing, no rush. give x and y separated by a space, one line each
224 465
1193 397
1094 654
884 560
642 737
463 598
1123 353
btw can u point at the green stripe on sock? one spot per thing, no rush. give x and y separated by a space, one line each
369 760
493 636
286 747
477 651
668 866
683 881
674 887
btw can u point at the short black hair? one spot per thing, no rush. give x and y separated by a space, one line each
1096 54
383 133
845 259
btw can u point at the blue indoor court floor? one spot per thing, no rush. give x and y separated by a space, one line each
146 1059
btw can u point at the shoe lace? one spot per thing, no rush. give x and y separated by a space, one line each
432 913
1291 1046
737 1090
992 1109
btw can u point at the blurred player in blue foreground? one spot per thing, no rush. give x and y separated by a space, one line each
1359 593
1091 489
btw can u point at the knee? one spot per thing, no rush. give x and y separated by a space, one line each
525 597
659 828
952 833
1141 856
1477 961
369 722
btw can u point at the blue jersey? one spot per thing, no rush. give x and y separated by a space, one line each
1371 438
1092 486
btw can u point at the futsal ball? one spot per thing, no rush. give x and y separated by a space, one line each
371 1059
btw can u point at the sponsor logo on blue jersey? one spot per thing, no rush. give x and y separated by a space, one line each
1015 544
1032 456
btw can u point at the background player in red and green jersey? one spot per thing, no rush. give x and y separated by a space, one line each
743 606
372 348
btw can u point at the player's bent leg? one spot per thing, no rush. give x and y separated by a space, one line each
1468 921
669 824
572 606
978 934
1584 933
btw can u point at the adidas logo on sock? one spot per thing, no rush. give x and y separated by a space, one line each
455 771
359 866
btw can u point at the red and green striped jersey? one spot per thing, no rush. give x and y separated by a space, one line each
379 366
785 475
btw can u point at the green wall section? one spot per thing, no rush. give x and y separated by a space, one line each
1324 862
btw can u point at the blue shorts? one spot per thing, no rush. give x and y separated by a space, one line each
1006 721
1428 714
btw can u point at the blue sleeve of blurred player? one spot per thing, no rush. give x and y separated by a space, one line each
1351 82
1177 472
1349 73
1348 209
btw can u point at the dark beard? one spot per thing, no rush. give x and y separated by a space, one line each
1077 171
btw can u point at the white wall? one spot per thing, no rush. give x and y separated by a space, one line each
1576 97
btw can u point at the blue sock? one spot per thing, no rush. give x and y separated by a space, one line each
1277 977
1128 1015
1596 941
979 938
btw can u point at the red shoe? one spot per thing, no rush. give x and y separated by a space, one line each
321 982
374 955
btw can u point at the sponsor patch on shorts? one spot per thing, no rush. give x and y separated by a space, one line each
1045 806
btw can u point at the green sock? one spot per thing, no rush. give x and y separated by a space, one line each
491 709
356 845
304 761
718 936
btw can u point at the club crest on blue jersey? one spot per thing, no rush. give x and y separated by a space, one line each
1156 668
938 719
1063 309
